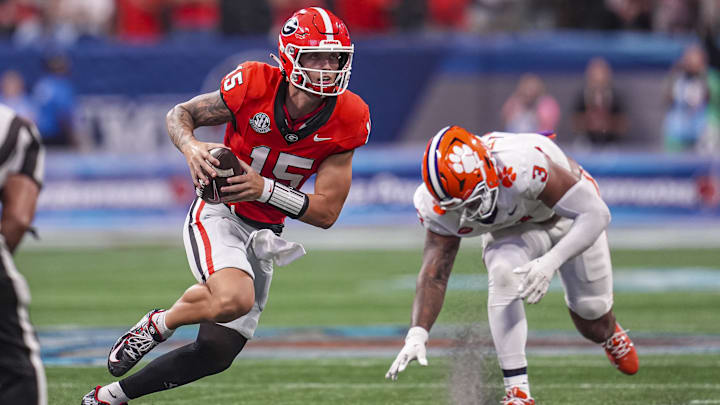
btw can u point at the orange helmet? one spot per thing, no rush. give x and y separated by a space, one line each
315 29
460 173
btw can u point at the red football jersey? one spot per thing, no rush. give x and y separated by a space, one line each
259 135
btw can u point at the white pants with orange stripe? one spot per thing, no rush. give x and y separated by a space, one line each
215 239
586 279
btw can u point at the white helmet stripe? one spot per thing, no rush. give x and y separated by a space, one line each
432 164
326 21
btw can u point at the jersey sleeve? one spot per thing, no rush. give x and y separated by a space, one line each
249 80
535 173
357 121
233 88
28 156
429 219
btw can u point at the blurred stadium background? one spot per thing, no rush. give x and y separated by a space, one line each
99 76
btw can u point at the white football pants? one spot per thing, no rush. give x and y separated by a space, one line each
586 279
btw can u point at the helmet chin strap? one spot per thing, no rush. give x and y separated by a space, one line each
276 59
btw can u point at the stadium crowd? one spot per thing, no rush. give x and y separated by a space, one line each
65 21
598 112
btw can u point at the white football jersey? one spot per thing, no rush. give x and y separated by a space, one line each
522 167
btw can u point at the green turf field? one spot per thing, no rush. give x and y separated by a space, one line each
586 380
114 287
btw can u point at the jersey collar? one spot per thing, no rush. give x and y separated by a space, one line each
311 125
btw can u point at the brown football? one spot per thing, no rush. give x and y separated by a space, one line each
229 167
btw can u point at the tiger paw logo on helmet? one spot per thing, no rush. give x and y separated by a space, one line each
465 160
460 173
507 176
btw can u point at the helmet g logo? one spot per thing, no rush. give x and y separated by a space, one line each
290 26
315 29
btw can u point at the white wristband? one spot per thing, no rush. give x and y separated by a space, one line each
417 333
290 201
552 260
267 190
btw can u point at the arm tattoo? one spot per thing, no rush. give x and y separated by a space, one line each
203 110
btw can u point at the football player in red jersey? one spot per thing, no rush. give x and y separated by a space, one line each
284 124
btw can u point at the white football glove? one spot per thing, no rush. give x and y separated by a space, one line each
539 274
414 349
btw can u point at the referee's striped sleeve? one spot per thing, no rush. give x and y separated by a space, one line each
33 159
21 150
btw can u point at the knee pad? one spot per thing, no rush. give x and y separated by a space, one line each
501 279
211 359
590 308
502 298
218 344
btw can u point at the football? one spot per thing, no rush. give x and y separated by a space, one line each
229 167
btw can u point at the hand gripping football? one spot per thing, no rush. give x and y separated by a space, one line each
229 167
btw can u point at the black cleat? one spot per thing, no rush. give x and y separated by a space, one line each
133 345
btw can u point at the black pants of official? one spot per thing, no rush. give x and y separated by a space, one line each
22 377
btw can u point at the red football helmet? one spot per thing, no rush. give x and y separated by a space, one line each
460 173
315 29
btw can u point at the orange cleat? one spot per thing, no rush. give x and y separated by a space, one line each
516 396
621 351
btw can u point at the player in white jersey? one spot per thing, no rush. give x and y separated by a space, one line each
22 377
539 213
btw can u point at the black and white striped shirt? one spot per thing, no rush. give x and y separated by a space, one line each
21 149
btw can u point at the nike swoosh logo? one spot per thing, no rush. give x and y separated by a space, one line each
316 138
512 212
111 394
113 354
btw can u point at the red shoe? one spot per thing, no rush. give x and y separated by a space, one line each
516 396
621 351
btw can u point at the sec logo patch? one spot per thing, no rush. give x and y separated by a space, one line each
260 122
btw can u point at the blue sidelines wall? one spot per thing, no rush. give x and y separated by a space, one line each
413 85
135 191
393 74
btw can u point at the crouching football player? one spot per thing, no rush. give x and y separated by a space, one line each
539 213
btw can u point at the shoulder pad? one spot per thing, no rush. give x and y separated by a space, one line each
354 114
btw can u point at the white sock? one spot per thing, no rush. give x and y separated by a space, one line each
112 394
520 381
509 329
159 320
